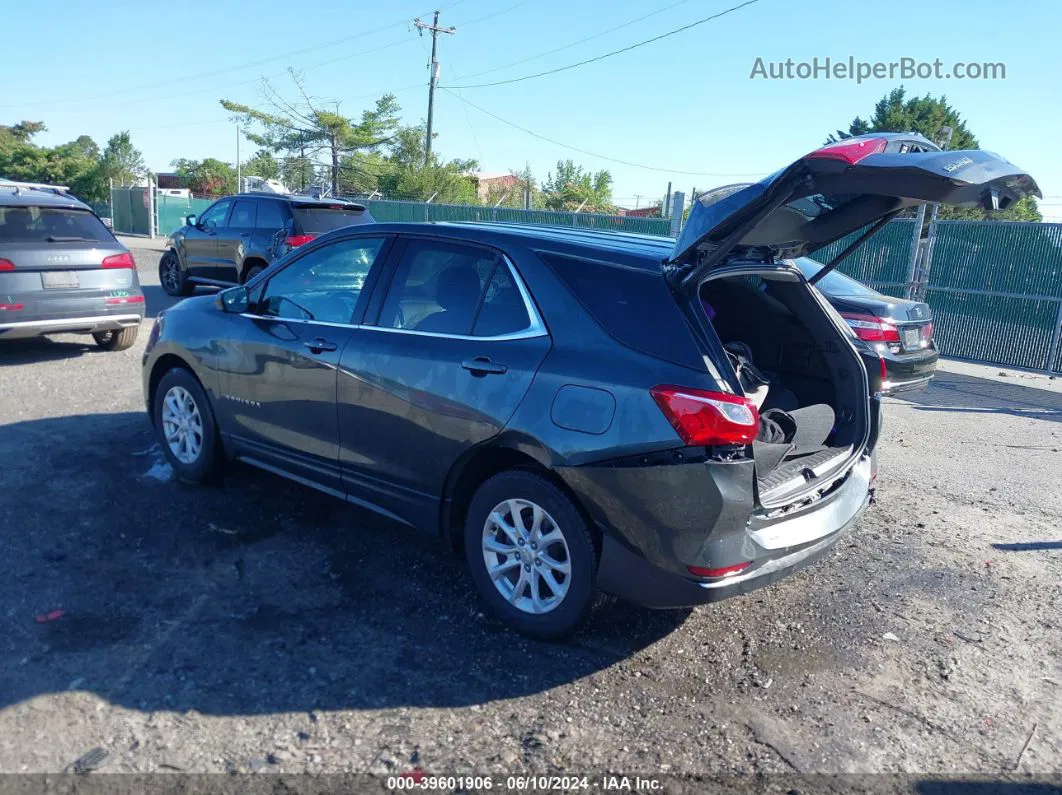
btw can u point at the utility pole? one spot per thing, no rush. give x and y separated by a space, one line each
435 31
239 172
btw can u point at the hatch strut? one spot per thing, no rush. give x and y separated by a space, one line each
851 247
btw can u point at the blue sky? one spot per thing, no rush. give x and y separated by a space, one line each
682 104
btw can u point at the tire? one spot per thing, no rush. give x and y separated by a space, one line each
251 272
117 340
520 570
205 464
172 276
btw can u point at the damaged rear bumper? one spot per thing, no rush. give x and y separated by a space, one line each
775 544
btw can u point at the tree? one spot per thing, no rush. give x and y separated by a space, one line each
261 164
928 115
306 129
75 164
209 177
409 174
122 162
572 187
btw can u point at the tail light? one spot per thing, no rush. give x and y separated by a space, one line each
871 328
126 299
6 265
884 369
299 240
927 333
850 151
123 260
725 571
708 418
12 307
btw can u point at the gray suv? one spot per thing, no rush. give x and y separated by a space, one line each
63 271
237 237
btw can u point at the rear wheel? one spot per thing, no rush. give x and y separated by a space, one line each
185 423
531 555
116 340
172 276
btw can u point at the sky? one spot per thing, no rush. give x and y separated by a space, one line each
683 109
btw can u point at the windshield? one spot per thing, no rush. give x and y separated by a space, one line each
51 224
833 283
318 220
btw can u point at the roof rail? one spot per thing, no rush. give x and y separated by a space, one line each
58 190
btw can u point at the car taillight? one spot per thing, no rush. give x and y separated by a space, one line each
725 571
126 299
12 307
927 333
849 151
884 369
299 240
124 260
708 418
6 265
871 328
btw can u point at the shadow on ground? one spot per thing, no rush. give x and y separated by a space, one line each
969 394
253 596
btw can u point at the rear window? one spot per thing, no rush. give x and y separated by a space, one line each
51 223
833 283
635 307
318 219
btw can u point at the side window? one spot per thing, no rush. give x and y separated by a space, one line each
437 287
242 215
503 310
270 215
216 214
323 285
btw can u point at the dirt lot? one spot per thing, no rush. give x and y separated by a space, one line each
261 626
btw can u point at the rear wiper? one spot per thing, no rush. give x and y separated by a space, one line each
62 239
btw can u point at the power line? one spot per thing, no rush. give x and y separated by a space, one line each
614 52
588 152
224 70
577 43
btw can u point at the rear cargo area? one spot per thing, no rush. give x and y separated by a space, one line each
775 320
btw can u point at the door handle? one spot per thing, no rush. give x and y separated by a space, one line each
245 234
319 344
482 365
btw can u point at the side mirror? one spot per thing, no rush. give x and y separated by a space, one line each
233 301
191 220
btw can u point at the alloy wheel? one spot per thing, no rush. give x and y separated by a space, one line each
182 425
526 555
171 274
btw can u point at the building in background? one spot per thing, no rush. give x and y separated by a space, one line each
496 184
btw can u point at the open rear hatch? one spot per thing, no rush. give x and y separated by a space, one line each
856 184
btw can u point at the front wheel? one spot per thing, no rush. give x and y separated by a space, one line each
185 423
531 555
172 276
116 340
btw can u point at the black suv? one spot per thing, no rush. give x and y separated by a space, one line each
237 237
63 271
563 404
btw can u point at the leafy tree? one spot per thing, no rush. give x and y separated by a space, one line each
307 129
121 161
261 164
571 188
209 177
895 112
409 174
75 164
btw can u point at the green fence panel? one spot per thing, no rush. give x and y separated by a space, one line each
998 256
416 211
172 211
883 261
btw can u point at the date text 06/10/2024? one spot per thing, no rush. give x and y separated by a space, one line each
419 780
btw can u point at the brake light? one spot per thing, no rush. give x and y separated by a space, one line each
123 260
300 240
927 333
707 418
126 299
12 307
850 150
6 265
884 369
871 328
725 571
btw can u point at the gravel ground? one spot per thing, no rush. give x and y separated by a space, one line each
261 626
